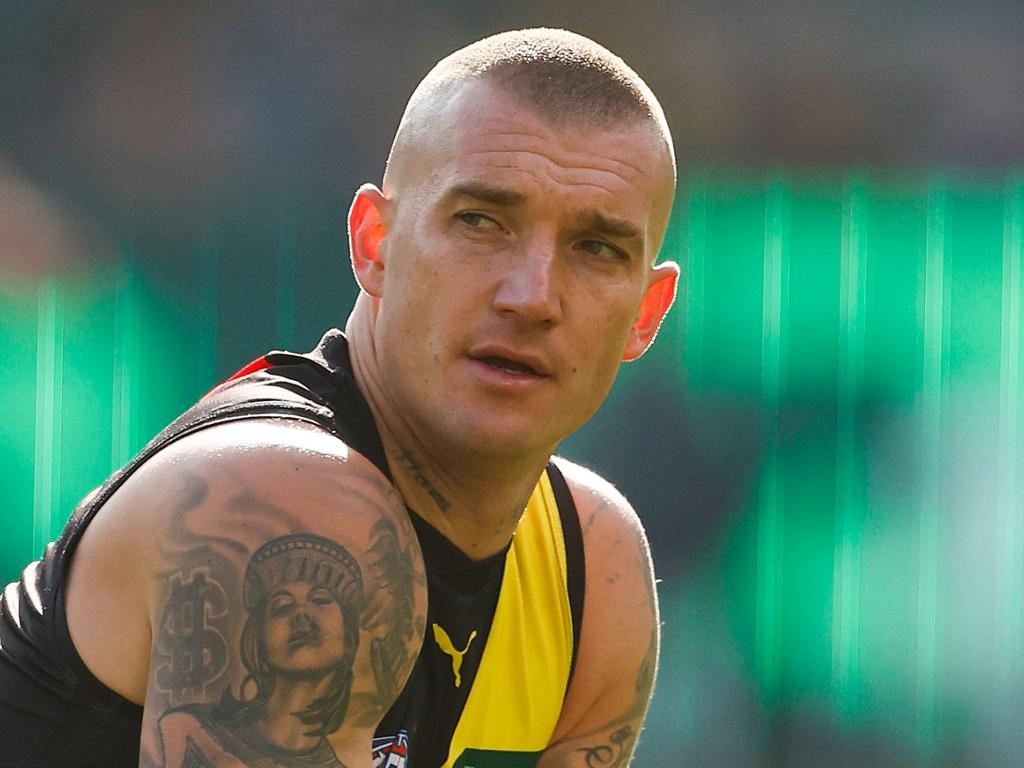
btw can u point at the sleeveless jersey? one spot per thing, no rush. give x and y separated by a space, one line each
501 638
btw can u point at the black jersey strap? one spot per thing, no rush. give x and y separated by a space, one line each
352 418
574 559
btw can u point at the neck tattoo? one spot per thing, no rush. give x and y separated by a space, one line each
415 468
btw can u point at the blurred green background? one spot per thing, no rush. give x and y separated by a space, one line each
826 441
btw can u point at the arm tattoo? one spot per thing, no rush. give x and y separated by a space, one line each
395 574
645 676
614 755
192 649
622 740
194 758
303 596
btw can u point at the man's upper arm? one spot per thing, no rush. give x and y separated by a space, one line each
619 639
285 593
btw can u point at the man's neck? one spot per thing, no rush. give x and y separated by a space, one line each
477 512
474 500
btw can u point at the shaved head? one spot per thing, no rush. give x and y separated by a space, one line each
567 79
508 265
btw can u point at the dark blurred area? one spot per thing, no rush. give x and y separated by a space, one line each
159 117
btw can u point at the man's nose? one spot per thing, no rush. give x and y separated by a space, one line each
530 288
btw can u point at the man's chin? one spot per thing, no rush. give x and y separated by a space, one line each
508 439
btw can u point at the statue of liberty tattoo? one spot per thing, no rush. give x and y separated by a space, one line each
303 595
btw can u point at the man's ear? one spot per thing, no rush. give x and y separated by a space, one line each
366 229
658 298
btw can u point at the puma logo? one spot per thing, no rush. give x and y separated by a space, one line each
445 644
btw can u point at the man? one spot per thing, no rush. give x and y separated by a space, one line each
366 555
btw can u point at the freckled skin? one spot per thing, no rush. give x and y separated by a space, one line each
532 276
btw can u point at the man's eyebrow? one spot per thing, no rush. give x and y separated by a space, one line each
487 193
593 220
611 226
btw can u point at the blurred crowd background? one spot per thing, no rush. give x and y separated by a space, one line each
826 442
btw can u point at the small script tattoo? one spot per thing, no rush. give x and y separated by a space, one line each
619 749
415 468
613 755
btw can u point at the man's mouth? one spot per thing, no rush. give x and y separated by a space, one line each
511 361
509 366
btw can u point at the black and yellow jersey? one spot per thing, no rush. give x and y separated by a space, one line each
501 635
487 688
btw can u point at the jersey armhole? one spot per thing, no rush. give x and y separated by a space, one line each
574 558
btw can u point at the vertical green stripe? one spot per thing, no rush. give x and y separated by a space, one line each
936 307
849 471
770 508
1009 667
695 299
49 397
124 414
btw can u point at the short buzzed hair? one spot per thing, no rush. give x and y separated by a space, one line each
565 77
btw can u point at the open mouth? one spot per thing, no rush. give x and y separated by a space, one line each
510 366
511 361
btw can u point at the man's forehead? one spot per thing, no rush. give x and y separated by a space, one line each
477 131
492 132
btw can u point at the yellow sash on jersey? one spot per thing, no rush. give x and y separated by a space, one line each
517 695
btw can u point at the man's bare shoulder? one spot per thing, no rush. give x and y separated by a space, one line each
251 464
278 580
618 556
602 508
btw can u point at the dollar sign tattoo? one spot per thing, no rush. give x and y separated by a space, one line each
195 652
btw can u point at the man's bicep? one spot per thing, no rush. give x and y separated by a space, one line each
607 736
287 606
617 657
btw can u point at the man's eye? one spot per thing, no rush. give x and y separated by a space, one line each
602 249
477 220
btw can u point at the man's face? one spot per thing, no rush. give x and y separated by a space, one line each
515 258
303 629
